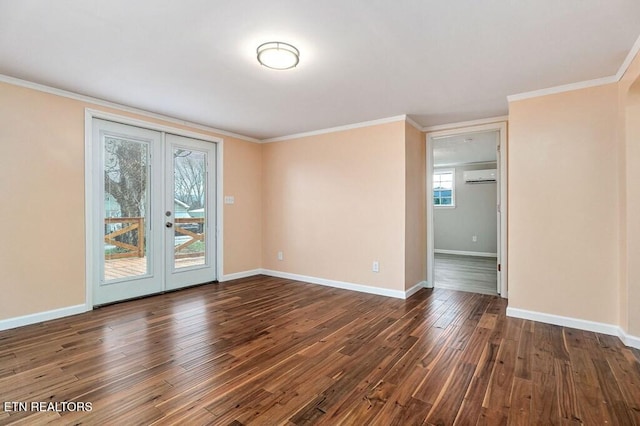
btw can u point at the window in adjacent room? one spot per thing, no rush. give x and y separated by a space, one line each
444 188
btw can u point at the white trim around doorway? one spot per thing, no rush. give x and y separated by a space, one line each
501 128
89 196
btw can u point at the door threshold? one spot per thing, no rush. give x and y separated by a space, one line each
467 288
117 302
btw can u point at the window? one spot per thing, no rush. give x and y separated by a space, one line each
444 185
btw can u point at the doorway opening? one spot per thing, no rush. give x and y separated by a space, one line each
466 218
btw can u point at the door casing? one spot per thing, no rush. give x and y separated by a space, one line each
501 128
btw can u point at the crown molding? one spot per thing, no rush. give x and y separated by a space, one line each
460 124
635 49
627 61
564 88
337 129
101 102
413 123
582 84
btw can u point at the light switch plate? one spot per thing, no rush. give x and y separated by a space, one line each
229 199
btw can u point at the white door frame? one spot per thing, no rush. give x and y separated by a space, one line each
501 128
90 195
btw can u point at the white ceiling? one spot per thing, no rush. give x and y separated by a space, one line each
465 149
438 62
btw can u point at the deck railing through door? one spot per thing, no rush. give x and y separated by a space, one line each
131 224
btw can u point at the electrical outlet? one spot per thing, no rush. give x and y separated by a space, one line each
376 266
280 256
474 238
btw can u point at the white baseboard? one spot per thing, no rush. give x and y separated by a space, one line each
330 283
587 325
580 324
238 275
629 340
466 253
413 290
9 323
398 294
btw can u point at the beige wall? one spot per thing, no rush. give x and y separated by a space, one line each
334 203
243 219
42 209
632 190
415 210
563 204
629 95
585 267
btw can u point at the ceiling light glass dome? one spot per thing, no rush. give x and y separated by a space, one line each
278 55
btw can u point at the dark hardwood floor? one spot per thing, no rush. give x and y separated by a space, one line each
271 351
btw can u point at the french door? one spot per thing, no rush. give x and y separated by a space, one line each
189 215
155 213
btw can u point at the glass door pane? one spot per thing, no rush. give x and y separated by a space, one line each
189 207
126 192
190 220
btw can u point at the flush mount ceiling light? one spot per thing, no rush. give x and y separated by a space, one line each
278 55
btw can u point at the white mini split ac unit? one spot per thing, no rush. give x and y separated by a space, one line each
480 176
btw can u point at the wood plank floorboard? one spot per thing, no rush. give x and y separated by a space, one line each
270 351
465 273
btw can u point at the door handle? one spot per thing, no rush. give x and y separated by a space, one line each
168 224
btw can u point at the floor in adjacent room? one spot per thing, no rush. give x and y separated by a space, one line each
466 273
273 351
